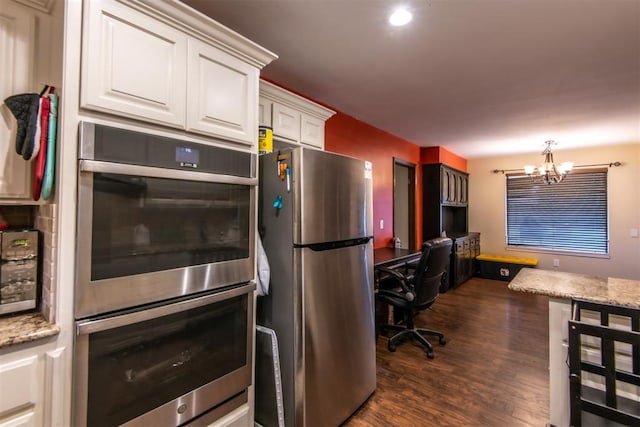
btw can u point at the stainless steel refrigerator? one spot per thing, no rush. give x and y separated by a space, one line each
315 220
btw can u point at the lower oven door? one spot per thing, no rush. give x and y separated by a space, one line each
164 365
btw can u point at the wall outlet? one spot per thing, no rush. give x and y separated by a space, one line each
634 232
556 262
381 224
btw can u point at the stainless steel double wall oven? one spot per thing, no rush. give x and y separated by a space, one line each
164 281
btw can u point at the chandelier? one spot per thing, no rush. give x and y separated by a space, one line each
548 172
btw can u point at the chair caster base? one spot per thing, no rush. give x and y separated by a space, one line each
442 341
430 354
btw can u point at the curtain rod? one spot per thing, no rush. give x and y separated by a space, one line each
616 164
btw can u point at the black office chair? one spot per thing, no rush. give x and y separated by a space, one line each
416 289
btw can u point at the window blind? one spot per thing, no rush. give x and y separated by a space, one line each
567 216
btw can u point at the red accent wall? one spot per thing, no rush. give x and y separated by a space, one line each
442 155
347 135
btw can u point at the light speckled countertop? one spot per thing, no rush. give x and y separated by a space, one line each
558 284
24 328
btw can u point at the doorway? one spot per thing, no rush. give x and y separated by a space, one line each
404 203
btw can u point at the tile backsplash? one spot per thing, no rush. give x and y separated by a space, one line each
45 220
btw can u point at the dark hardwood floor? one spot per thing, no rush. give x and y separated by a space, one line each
493 371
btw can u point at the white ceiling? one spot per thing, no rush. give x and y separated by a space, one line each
478 77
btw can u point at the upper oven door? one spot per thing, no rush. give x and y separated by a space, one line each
147 234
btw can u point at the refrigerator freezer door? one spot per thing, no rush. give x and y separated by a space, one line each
339 337
335 195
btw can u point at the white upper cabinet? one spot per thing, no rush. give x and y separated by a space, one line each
133 65
30 51
294 119
264 111
223 94
286 122
17 42
160 62
312 130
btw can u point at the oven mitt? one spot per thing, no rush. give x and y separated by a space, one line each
24 108
50 164
37 137
41 155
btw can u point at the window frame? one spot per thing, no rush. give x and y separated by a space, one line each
561 251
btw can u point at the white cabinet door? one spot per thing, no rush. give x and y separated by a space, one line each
312 131
264 112
286 122
17 40
133 65
31 386
21 392
222 94
26 419
559 315
20 385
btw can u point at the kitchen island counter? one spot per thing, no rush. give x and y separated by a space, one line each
557 284
561 287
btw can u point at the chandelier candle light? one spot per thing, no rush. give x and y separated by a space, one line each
548 172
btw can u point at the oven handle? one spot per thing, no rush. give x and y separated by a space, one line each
90 326
153 172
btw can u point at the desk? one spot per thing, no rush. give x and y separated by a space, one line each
388 258
393 257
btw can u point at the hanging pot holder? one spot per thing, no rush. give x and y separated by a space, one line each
24 108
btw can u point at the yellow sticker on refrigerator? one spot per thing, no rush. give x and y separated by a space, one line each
265 139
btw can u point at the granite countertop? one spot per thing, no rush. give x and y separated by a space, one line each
25 328
608 290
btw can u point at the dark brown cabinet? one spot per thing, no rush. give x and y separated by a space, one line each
445 201
453 186
463 190
465 249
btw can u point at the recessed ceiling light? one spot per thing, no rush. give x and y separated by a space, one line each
400 16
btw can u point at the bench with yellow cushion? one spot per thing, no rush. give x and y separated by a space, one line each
500 267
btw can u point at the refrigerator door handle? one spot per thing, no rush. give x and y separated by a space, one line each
327 246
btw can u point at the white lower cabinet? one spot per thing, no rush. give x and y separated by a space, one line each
26 419
559 386
30 385
559 315
20 386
